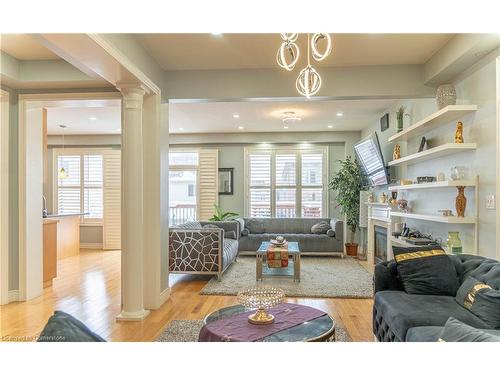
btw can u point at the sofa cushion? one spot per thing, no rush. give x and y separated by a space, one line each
255 226
320 228
62 327
432 333
426 270
190 225
231 234
481 299
401 311
456 331
229 252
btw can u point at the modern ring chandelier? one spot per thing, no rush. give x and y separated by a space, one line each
309 81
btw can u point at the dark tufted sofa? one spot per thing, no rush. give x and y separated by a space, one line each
398 316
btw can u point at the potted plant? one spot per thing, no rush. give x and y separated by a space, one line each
222 216
347 183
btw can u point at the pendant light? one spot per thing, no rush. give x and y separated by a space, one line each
308 82
62 173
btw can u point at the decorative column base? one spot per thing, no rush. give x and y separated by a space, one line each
132 316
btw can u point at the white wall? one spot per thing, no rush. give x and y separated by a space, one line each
478 87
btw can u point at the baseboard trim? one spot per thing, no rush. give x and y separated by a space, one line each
164 296
13 296
97 246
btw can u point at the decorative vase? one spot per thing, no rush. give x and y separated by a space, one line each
459 132
460 201
397 152
454 244
400 124
446 95
458 173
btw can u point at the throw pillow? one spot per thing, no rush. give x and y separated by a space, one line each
426 270
245 232
255 226
456 331
190 225
320 228
229 234
241 222
330 233
481 300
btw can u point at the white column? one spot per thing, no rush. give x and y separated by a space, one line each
132 204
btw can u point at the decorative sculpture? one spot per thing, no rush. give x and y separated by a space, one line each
397 152
459 132
460 201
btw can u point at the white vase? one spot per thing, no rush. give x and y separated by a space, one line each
446 95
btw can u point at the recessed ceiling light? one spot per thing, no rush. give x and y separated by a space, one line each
340 114
181 129
285 127
330 126
241 127
216 34
236 115
92 118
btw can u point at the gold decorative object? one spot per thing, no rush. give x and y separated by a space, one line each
460 201
383 198
459 132
397 152
261 299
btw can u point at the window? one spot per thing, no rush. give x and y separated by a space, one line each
82 189
183 175
286 182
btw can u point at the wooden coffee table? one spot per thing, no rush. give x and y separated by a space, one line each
292 271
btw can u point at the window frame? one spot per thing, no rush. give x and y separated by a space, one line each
298 150
91 222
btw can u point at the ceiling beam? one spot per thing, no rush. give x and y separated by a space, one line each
392 81
460 53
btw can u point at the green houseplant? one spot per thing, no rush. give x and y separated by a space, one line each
347 183
219 215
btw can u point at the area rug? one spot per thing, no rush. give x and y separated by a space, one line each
321 277
188 330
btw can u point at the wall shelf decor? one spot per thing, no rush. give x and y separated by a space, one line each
433 153
436 218
437 119
434 185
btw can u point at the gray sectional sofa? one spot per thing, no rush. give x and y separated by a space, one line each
399 316
256 230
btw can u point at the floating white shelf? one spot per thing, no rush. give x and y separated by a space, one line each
436 218
433 185
432 153
377 204
439 118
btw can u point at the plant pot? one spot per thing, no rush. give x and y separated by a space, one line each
351 249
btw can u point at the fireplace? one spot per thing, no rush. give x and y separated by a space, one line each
380 243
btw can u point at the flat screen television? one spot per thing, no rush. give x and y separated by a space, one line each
371 160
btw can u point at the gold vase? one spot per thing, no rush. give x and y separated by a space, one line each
460 201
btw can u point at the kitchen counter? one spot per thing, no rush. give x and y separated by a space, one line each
68 233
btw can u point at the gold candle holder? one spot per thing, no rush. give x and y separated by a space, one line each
261 299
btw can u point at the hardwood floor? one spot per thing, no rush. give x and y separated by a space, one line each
88 287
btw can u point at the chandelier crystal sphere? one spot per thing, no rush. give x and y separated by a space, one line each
308 82
290 37
317 55
288 55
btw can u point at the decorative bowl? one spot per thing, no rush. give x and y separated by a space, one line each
261 299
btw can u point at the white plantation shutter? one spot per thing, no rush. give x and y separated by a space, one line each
207 182
111 231
259 165
68 189
93 186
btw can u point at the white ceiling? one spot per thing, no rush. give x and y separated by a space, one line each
217 117
24 47
250 51
80 120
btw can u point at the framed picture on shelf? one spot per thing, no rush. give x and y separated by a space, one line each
423 144
384 122
226 181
